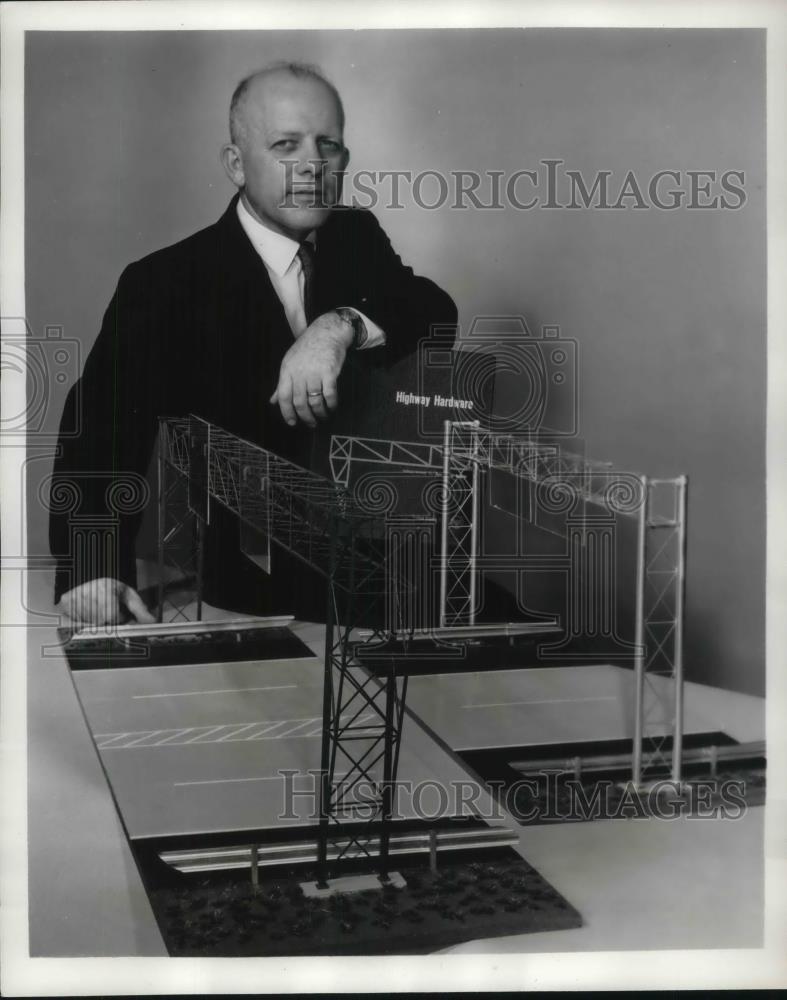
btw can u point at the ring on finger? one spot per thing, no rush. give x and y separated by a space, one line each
314 394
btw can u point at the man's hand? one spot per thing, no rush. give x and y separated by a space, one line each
309 370
101 602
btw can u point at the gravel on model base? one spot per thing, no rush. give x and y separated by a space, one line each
463 900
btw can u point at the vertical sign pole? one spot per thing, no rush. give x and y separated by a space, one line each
680 604
444 522
327 715
639 636
474 525
161 516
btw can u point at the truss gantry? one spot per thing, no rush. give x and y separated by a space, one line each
590 496
357 544
321 524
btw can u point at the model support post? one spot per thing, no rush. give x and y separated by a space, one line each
388 770
200 563
639 635
161 513
326 768
445 497
680 606
475 473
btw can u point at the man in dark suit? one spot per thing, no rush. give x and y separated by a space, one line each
252 324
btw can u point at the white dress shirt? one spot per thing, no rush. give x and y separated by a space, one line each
279 254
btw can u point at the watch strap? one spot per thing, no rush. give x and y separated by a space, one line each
360 333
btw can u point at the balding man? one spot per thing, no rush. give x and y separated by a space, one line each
252 324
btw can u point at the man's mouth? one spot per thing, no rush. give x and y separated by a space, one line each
310 193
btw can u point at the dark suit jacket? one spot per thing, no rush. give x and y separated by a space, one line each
198 328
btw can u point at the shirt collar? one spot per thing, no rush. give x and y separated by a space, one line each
277 251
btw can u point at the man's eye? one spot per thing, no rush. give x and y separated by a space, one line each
330 145
284 144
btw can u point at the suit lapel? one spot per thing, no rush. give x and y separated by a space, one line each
250 333
242 268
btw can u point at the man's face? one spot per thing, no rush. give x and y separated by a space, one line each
292 153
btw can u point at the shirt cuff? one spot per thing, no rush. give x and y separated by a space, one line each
375 337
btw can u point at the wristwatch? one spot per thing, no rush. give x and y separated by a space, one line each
360 333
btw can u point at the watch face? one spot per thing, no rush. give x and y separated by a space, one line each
358 325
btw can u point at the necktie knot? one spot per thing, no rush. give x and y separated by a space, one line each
306 256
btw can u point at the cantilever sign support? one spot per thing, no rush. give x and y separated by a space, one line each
323 524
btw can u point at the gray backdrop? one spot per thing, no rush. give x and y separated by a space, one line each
668 307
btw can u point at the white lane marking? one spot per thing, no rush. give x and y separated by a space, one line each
145 736
111 737
173 736
289 732
198 734
224 781
267 727
235 732
184 694
546 701
439 680
208 732
229 781
275 725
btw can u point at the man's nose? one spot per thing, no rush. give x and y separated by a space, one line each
310 162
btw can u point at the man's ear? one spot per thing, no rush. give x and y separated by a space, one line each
345 158
232 161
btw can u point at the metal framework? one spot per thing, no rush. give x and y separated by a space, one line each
179 530
319 523
367 556
590 495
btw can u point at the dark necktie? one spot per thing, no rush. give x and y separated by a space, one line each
306 257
